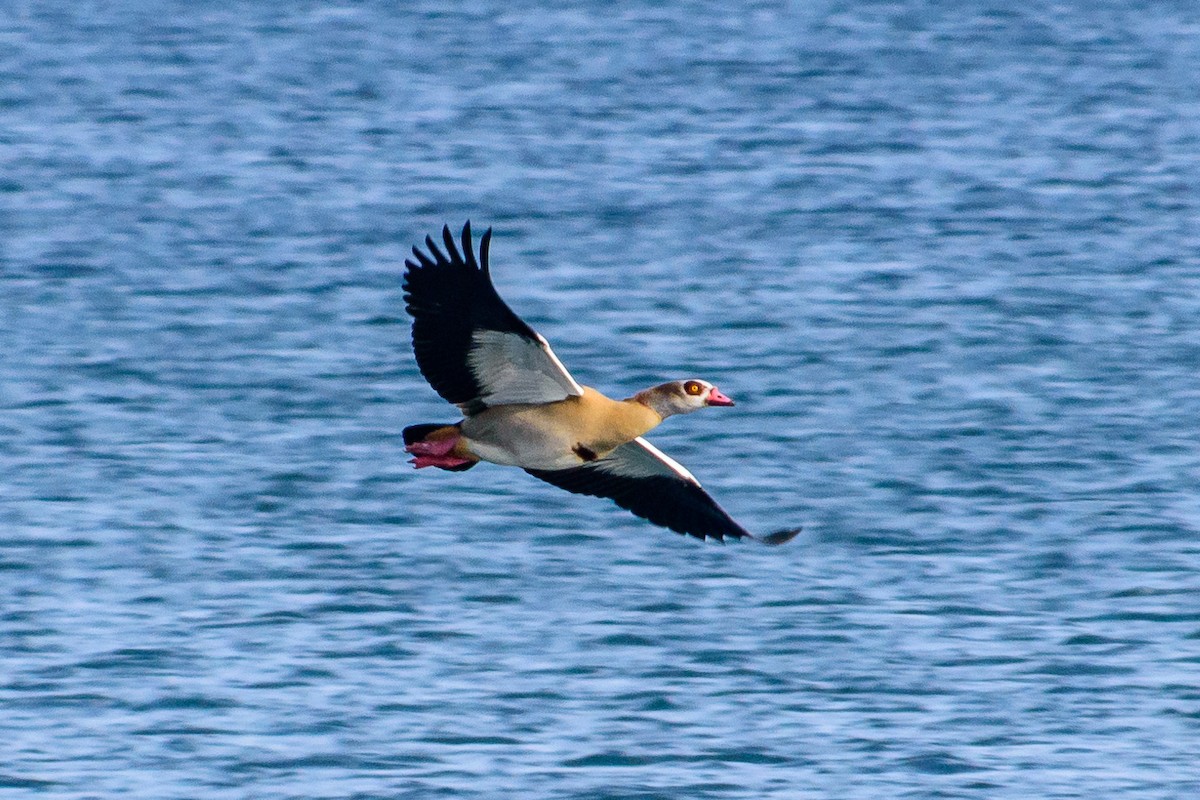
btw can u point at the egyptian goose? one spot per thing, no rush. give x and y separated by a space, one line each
522 408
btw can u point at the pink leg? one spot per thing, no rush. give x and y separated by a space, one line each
436 454
445 462
436 449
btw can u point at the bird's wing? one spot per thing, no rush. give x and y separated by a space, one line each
651 484
474 351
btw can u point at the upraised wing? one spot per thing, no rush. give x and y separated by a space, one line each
644 480
474 351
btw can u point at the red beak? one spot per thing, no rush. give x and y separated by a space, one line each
715 398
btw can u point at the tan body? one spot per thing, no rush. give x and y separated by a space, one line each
556 435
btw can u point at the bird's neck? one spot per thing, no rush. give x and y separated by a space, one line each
654 400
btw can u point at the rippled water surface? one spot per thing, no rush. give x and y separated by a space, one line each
945 256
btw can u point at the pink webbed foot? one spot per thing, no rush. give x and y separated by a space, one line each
445 462
436 454
435 449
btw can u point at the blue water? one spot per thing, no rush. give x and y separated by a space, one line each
946 257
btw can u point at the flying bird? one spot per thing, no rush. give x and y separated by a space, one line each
522 408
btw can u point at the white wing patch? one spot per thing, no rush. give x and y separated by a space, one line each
512 369
576 389
640 459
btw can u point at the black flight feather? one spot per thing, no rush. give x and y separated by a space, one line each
673 503
450 298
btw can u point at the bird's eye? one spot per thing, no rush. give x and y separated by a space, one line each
693 387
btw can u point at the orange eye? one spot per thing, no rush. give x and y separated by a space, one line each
693 387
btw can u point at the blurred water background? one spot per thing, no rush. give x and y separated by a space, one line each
944 255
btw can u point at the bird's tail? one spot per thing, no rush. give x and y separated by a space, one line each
423 432
435 445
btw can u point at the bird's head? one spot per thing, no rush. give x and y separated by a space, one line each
682 397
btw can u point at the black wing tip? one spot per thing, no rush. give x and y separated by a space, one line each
485 243
452 256
439 257
451 246
771 540
779 537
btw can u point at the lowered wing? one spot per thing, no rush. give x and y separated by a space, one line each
644 480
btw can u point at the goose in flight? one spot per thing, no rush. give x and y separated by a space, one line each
522 408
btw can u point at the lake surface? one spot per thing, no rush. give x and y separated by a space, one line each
945 257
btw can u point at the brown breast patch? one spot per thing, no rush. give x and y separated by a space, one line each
585 453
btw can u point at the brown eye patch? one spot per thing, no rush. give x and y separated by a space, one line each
693 387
